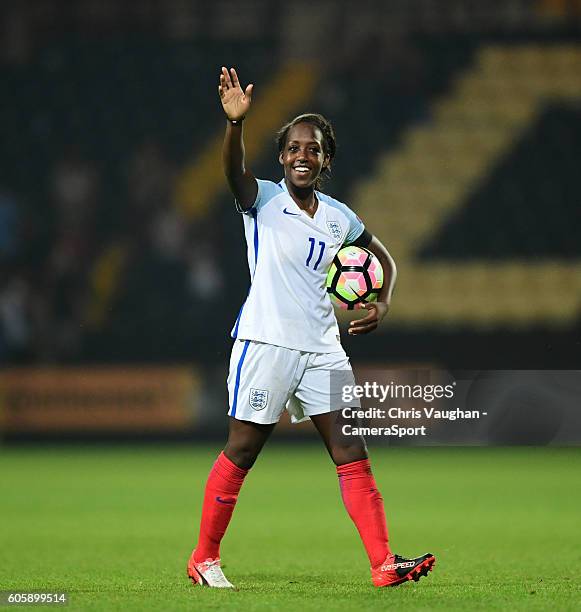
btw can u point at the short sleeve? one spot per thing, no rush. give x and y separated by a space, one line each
356 227
266 191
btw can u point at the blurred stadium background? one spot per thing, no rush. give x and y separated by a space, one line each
122 262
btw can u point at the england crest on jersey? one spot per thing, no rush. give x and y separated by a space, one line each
258 399
335 229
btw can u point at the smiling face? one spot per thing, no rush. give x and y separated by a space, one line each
303 155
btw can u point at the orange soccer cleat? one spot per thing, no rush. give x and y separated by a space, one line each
208 573
396 570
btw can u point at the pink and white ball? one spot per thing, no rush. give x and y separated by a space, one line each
354 278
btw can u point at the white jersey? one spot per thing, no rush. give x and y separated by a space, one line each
289 255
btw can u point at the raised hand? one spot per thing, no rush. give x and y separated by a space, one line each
235 101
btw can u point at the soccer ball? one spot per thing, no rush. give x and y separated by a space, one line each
354 278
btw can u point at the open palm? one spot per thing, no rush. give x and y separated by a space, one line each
235 101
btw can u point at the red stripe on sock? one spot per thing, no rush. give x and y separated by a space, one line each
364 505
220 497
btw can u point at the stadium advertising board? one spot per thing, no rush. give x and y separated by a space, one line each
100 400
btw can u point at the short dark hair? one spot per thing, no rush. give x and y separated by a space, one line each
329 141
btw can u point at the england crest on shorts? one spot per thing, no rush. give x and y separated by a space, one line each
258 399
335 229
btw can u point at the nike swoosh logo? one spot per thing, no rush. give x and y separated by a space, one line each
225 501
286 212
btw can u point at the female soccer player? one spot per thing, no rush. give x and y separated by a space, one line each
286 335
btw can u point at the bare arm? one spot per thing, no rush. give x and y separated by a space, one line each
389 269
236 104
377 310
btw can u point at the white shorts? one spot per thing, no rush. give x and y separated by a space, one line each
264 379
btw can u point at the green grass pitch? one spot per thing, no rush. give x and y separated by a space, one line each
114 527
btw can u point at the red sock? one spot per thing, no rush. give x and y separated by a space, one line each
222 488
364 504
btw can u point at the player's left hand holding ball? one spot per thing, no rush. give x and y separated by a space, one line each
377 310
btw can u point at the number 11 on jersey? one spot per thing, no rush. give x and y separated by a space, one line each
312 250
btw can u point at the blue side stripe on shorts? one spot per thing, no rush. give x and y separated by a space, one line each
237 383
